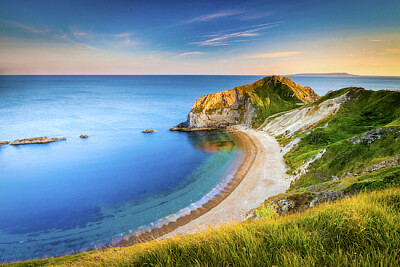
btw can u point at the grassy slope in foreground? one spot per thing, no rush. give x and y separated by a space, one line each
361 230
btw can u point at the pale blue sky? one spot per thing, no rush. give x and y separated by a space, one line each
199 37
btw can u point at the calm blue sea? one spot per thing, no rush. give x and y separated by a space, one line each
67 196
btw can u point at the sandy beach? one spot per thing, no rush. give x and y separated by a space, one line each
265 177
260 175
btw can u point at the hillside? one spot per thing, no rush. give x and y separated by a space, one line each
344 142
342 152
360 231
247 104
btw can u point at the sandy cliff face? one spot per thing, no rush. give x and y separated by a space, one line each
247 104
304 118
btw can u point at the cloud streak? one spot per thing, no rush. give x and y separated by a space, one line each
276 54
122 35
79 34
213 16
238 36
28 28
390 51
190 54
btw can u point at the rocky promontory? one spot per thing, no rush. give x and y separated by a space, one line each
247 104
36 140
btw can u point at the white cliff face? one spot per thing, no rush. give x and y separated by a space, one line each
246 104
231 115
304 118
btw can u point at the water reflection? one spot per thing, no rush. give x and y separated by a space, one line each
211 141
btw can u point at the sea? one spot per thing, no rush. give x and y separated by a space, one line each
73 195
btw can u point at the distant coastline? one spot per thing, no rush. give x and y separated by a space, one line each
334 74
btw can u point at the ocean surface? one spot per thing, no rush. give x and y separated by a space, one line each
68 196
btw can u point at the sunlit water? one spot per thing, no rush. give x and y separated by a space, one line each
67 196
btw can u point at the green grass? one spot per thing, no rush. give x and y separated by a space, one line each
365 111
363 230
269 97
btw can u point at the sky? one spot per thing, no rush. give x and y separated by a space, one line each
200 37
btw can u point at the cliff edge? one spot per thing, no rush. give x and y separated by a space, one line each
248 104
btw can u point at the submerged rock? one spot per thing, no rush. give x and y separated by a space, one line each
83 136
148 131
2 143
36 140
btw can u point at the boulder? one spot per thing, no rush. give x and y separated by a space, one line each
83 136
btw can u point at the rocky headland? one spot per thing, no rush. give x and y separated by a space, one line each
332 146
248 105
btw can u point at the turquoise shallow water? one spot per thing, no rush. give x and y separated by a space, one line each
67 196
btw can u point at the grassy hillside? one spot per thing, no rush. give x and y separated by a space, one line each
349 151
267 96
275 94
363 230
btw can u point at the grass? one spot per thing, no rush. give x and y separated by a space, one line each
363 230
365 111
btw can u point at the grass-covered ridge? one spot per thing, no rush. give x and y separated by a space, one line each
267 96
363 230
349 150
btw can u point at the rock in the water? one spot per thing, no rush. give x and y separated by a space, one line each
148 131
83 136
36 140
2 143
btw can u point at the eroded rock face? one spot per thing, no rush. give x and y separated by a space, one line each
247 103
304 118
36 140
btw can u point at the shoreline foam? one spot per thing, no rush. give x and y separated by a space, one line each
265 177
221 191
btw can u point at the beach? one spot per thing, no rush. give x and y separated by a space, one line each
261 175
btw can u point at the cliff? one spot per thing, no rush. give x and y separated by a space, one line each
248 104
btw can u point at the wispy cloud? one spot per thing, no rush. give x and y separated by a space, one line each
221 39
390 51
123 35
190 53
79 34
275 54
28 28
376 40
212 16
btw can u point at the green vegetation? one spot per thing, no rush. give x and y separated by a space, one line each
362 152
363 230
302 197
363 112
273 95
268 96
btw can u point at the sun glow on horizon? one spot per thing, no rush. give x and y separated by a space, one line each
227 38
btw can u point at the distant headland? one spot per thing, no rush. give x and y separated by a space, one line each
326 74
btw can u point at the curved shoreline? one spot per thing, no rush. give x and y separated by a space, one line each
244 142
265 177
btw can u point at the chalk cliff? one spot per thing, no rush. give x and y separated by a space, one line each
247 104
